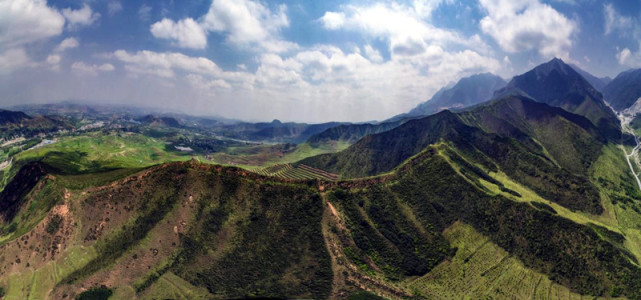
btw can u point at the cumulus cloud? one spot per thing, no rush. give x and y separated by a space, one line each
365 89
406 27
80 17
333 20
93 69
528 25
67 43
246 23
27 21
614 20
309 83
164 64
199 72
23 22
187 33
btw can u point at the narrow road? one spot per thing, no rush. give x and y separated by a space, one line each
625 125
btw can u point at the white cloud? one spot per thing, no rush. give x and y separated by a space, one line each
80 17
113 7
327 77
623 56
53 59
199 72
246 23
144 12
628 58
333 20
164 64
521 25
309 84
23 22
186 32
406 27
373 54
200 82
27 21
67 43
13 59
81 67
614 20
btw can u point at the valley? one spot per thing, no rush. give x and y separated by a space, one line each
634 153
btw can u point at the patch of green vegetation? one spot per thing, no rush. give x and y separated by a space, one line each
482 270
54 224
365 295
170 286
96 293
277 248
12 227
32 208
83 181
98 152
382 232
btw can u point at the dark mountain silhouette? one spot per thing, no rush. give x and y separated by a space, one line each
624 90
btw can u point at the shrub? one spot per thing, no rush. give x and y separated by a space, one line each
96 293
54 224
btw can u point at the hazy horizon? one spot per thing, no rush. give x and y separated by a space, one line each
295 60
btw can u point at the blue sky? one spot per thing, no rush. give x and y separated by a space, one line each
295 60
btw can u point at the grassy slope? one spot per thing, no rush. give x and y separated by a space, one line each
387 224
112 151
572 255
257 157
481 269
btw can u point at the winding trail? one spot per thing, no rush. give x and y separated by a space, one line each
625 125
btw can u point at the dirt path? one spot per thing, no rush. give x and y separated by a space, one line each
348 277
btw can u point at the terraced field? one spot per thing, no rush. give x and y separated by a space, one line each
300 172
482 270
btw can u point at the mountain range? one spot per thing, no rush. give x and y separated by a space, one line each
524 191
